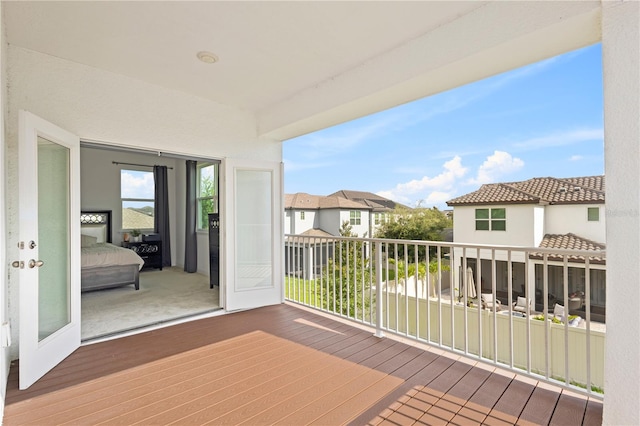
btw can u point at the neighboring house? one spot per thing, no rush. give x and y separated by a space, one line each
552 213
381 208
317 215
304 212
137 220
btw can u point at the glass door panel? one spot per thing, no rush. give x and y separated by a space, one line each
254 229
53 237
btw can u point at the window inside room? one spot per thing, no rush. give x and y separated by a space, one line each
207 201
491 219
137 198
354 217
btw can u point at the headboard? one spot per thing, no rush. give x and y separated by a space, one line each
96 224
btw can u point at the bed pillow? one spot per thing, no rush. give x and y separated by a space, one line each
87 240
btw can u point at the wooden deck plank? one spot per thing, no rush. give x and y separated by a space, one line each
593 414
512 402
536 411
279 364
569 411
128 400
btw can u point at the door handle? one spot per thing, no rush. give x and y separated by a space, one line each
18 264
35 263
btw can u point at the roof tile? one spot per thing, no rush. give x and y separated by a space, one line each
546 190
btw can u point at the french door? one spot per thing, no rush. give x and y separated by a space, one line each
254 234
49 243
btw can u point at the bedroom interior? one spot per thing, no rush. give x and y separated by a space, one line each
146 283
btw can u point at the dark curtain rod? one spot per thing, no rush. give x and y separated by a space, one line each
139 165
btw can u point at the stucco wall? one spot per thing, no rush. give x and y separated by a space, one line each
562 219
310 220
4 261
102 106
520 226
330 221
621 72
359 230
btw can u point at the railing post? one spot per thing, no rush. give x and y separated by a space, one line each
379 332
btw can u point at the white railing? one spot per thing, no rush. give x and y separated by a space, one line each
428 291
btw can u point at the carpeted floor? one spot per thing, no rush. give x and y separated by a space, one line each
163 296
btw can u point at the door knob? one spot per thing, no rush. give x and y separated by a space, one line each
35 263
18 264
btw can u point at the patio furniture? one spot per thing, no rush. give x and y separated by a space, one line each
520 305
559 312
488 302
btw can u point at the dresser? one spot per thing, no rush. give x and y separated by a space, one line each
149 251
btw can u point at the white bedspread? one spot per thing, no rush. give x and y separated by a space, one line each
105 254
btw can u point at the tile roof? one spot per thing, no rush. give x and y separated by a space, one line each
569 242
546 190
375 201
136 220
301 200
313 232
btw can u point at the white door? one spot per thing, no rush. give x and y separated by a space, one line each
49 164
254 236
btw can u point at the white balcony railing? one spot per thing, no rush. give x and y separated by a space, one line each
549 321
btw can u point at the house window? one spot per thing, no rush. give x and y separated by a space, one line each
137 199
301 215
593 214
491 219
379 218
354 217
207 191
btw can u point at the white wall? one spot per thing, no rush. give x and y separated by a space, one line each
359 230
298 225
538 224
562 219
621 73
329 220
520 226
102 106
4 261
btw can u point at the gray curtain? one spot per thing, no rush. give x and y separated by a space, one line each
161 215
191 242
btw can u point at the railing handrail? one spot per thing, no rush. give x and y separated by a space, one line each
354 278
564 252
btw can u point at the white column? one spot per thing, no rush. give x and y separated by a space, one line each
621 67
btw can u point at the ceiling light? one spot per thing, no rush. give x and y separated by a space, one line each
207 57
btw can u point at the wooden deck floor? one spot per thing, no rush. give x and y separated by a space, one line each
282 365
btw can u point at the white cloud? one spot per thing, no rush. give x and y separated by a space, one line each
562 138
576 158
437 198
428 187
495 166
137 184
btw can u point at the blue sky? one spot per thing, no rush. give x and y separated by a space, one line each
545 119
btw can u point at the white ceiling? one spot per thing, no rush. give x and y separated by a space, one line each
303 65
268 51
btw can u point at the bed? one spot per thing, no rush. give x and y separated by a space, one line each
105 265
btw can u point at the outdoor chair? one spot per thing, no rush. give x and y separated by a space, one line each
520 305
559 313
488 302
